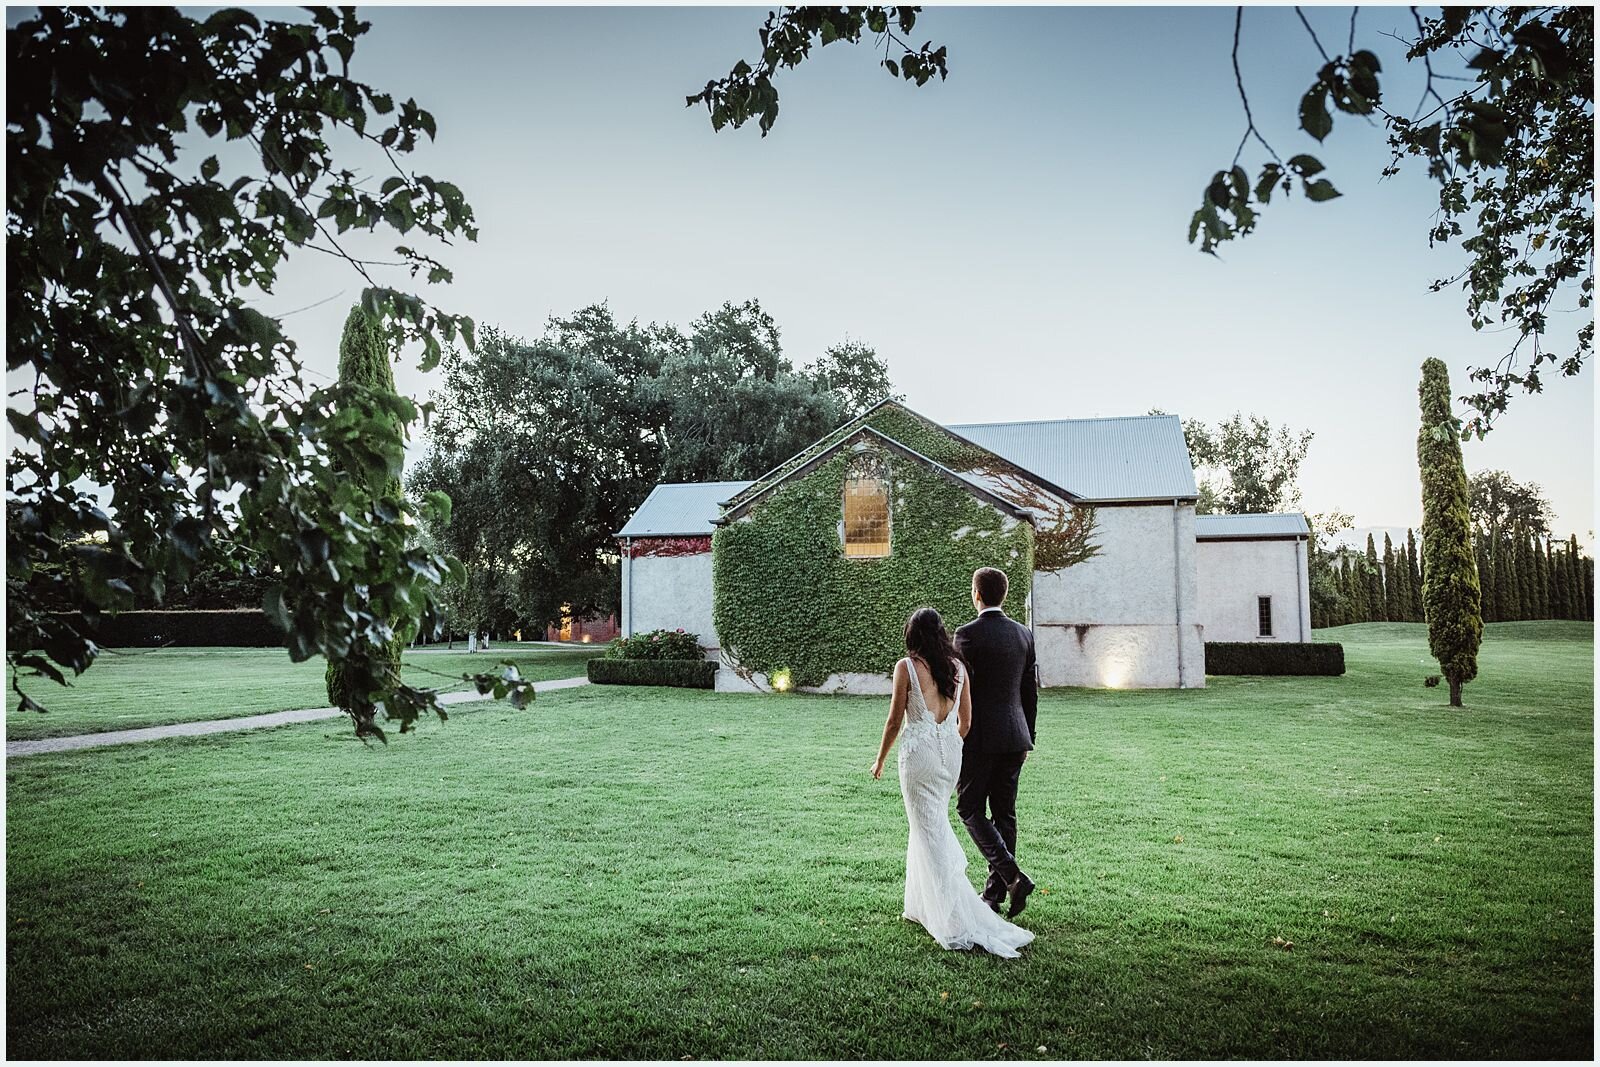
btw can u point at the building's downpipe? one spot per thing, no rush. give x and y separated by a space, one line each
627 587
1301 582
1177 585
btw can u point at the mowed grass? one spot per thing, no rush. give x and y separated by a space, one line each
126 689
1286 867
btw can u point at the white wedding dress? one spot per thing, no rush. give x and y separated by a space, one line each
938 894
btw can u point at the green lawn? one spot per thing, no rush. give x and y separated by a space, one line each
131 688
1332 867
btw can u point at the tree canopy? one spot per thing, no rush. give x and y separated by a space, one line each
577 426
1511 148
1245 465
165 412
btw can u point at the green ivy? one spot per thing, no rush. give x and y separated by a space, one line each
929 438
786 596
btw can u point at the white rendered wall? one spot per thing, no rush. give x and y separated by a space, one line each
666 592
1128 617
1232 574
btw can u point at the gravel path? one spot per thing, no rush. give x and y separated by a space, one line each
217 726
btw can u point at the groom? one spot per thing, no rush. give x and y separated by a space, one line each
1005 701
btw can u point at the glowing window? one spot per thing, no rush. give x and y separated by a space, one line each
866 508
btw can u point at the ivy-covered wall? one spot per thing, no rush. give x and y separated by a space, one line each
786 597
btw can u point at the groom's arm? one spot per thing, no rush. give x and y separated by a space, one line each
1030 691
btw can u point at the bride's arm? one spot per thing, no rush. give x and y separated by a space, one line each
897 715
964 711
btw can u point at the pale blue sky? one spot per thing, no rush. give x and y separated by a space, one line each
1012 240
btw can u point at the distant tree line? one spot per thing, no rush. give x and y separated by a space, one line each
1524 572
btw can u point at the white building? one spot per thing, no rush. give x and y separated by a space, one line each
1133 612
1253 576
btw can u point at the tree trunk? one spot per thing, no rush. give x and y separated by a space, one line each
1455 693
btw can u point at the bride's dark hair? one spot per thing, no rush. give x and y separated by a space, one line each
927 638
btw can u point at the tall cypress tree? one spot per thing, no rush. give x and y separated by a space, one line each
1511 609
1588 589
1480 549
1374 583
1574 580
1541 552
364 366
1391 583
1402 585
1558 590
1530 576
1494 593
1415 578
1450 574
1355 594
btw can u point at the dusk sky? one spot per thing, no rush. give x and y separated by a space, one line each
1012 240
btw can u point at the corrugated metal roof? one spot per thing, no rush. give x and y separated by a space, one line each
680 509
1242 527
1140 457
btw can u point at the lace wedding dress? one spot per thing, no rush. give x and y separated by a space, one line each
938 894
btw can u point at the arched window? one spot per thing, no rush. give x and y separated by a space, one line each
866 507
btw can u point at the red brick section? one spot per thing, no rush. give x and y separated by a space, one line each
669 546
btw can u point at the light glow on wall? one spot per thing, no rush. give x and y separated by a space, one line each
782 680
1114 673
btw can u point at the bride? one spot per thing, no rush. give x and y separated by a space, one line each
930 712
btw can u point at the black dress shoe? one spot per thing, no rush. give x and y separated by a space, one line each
1019 891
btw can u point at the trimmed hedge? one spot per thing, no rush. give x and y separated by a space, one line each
243 627
682 673
1274 657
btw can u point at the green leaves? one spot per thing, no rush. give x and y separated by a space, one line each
1305 166
157 385
1314 117
786 39
1320 190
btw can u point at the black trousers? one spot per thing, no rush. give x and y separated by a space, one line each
986 800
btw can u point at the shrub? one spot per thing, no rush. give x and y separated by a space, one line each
188 629
1262 657
657 645
682 673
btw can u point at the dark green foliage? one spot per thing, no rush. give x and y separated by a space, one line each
1329 606
786 40
1274 657
1576 599
246 628
657 644
1402 585
365 369
1503 559
1415 564
1450 573
152 377
1391 584
580 424
1245 465
787 597
697 673
1374 590
1560 605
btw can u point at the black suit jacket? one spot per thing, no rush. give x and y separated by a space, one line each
1005 683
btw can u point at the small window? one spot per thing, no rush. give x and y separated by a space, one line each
866 508
1264 611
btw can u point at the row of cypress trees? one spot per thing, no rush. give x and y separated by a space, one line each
1521 576
1524 576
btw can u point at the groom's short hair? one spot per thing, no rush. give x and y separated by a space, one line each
991 586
